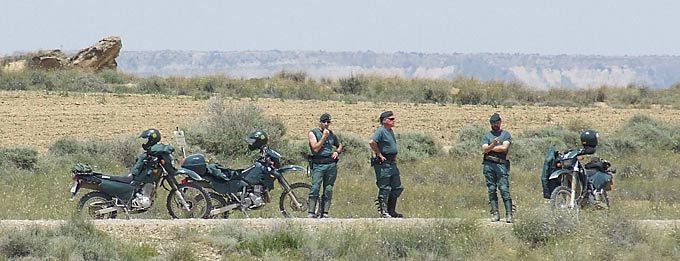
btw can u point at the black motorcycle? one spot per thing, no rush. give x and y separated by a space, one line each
573 185
134 194
248 189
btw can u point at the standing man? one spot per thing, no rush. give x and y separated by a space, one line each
384 145
324 165
495 144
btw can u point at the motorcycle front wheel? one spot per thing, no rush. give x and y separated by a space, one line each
198 201
294 203
93 202
560 202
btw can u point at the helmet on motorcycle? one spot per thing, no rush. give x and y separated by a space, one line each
257 139
152 136
589 138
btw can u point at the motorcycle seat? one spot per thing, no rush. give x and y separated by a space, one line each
126 178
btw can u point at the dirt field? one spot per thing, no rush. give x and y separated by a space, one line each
39 118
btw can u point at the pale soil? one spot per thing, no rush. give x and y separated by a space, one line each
40 118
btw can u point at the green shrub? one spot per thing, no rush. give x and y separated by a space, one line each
224 128
353 144
299 76
155 85
642 133
122 151
279 240
530 146
539 227
416 146
354 84
20 157
26 243
468 141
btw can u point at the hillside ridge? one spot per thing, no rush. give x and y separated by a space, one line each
534 70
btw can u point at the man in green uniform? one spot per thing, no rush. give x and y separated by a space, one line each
384 145
324 165
495 144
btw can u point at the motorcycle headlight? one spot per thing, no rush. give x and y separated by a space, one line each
568 163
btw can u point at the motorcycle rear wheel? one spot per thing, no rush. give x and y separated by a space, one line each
198 199
217 202
93 201
288 207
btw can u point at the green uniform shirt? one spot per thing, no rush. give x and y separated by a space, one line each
503 136
327 147
387 142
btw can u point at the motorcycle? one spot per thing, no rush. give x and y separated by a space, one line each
135 194
249 188
574 185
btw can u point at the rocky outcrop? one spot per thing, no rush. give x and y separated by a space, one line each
52 59
101 55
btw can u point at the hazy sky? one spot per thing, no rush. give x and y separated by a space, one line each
602 27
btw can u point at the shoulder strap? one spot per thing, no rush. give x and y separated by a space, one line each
317 133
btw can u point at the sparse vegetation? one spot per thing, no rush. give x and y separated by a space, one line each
298 85
438 184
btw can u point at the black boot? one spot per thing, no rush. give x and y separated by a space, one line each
325 206
311 207
382 208
391 207
495 217
508 210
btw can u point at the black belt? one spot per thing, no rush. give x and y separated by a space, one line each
323 160
495 159
390 157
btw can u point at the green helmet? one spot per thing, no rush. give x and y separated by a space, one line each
257 139
152 136
589 138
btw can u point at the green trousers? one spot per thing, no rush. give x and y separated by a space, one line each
388 180
496 177
323 175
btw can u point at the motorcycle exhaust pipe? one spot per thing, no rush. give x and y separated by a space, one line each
106 211
221 210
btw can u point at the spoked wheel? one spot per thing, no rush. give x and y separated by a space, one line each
218 202
294 203
198 201
560 201
96 205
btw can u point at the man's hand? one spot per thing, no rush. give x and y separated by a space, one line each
325 133
494 142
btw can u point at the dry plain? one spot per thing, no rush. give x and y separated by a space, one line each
39 118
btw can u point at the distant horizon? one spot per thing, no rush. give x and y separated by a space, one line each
355 51
577 27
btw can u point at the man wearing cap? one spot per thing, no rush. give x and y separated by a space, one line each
496 167
384 145
324 166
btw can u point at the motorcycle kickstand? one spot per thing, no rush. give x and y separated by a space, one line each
243 210
127 213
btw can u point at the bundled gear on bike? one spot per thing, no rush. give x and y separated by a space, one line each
248 188
135 192
569 183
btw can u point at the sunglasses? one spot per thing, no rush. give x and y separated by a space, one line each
325 121
392 119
